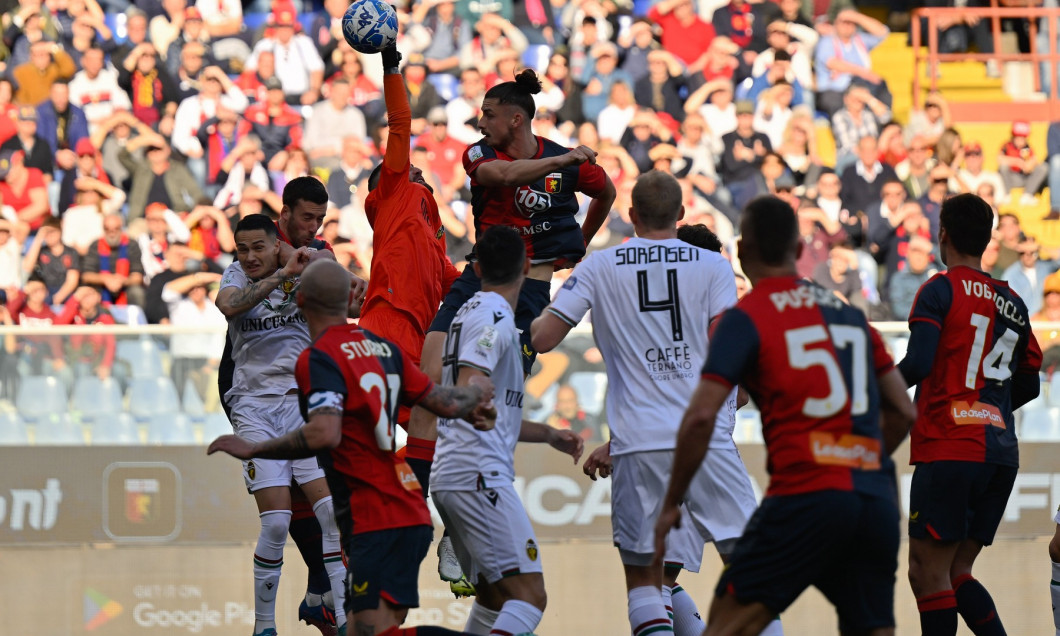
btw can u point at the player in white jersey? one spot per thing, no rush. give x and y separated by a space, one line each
268 333
652 299
471 480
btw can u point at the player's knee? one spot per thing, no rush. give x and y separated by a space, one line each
537 596
274 526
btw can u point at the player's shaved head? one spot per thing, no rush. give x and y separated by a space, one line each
769 232
657 199
324 289
968 221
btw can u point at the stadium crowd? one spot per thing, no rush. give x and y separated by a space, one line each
129 152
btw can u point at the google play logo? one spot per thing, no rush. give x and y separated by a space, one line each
98 609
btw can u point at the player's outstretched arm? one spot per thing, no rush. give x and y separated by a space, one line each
526 171
323 431
472 402
897 412
920 354
547 331
693 438
598 210
565 441
233 301
398 113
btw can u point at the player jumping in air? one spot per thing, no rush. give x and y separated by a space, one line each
975 361
821 377
351 383
653 298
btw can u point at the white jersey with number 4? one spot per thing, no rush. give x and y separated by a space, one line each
482 336
266 340
652 302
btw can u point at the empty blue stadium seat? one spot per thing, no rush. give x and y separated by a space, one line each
57 429
12 430
170 428
142 356
95 396
215 425
40 395
114 429
149 396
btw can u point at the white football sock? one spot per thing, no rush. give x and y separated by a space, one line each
268 560
687 621
647 612
1054 588
329 536
481 619
516 617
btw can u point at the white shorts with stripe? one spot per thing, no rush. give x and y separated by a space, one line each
258 419
491 532
716 507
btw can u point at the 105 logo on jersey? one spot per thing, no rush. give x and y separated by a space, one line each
530 201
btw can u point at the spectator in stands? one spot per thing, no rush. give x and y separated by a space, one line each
894 240
193 59
1027 276
326 29
136 34
930 123
684 34
89 31
645 132
798 42
40 354
779 72
972 175
589 32
333 120
182 261
495 35
241 169
192 31
862 115
252 83
36 153
444 152
599 78
882 216
1049 340
152 90
290 163
1052 144
88 354
275 123
745 24
25 26
819 234
163 228
10 258
774 111
164 29
155 178
545 126
422 94
636 44
219 137
990 254
742 158
839 274
561 94
211 237
957 30
195 357
893 150
52 262
364 94
663 87
23 189
223 21
798 148
8 111
114 266
1019 167
700 168
216 90
915 170
83 221
61 124
297 59
615 118
463 110
95 90
918 267
48 63
355 164
863 181
571 416
938 191
1009 236
842 60
830 200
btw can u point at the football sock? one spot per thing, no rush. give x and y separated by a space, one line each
647 614
307 536
1054 588
938 614
336 569
419 455
773 629
423 630
976 607
516 617
268 559
685 614
480 620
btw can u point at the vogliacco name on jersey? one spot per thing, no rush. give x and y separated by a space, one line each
193 620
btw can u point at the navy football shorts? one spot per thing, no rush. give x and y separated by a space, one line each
533 298
844 543
385 564
957 500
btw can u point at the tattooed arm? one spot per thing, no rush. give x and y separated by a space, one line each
322 432
233 301
449 401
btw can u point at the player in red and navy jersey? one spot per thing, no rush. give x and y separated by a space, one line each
975 359
351 383
821 377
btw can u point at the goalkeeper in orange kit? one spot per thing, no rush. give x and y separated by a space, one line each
410 271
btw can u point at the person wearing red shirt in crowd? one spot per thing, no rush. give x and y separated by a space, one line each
25 191
8 111
29 308
276 124
443 152
822 378
684 34
974 360
92 353
252 82
745 24
383 519
362 91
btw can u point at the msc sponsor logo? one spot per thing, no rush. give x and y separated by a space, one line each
98 610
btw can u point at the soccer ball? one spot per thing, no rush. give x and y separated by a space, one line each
370 25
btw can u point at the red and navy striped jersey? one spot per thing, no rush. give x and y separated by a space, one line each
810 362
964 406
543 212
369 483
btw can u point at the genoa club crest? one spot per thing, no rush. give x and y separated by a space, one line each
553 183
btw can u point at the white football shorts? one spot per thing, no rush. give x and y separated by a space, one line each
261 418
491 532
716 508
